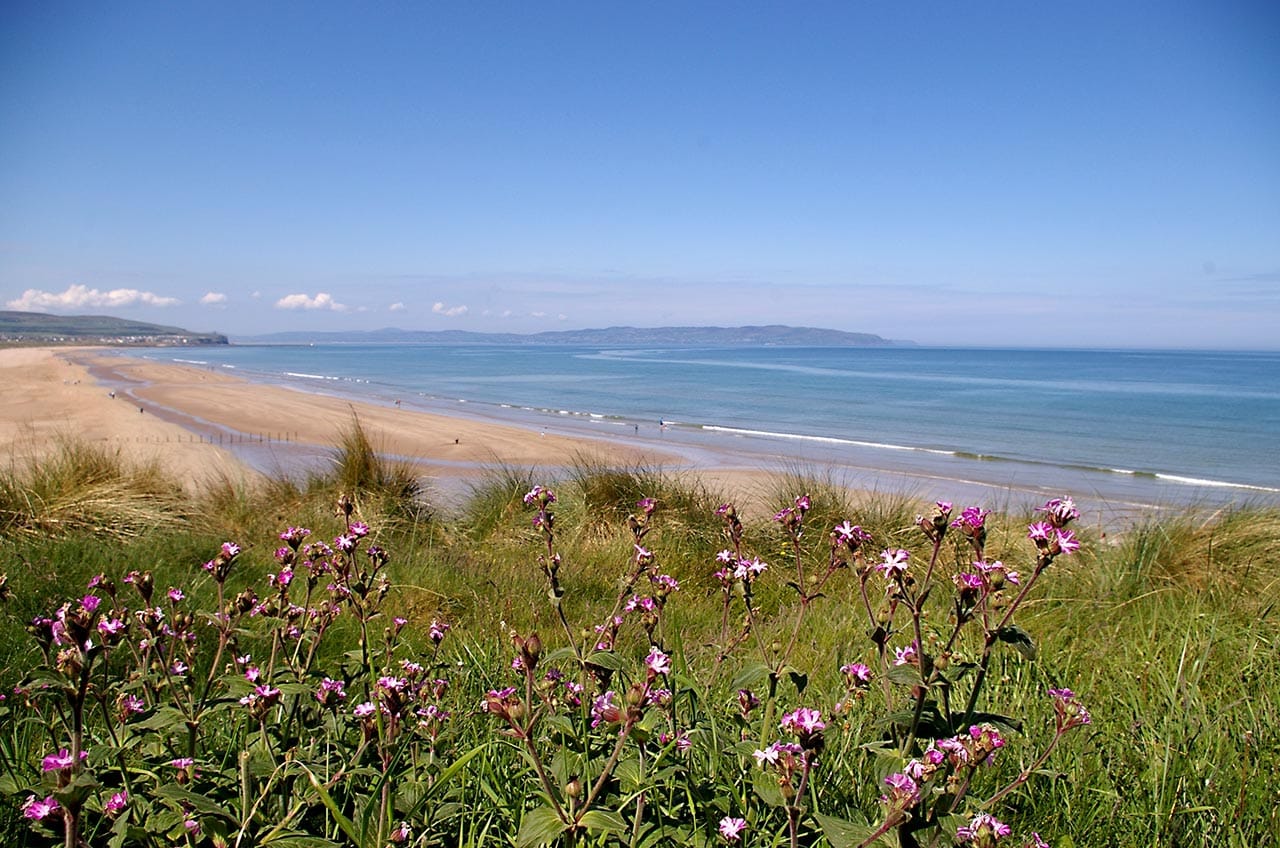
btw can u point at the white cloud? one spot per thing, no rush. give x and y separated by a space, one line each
79 297
561 317
322 300
448 311
256 295
213 299
396 307
538 314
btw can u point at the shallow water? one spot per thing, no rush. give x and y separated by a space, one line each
1144 427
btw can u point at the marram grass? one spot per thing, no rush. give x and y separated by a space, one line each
1167 632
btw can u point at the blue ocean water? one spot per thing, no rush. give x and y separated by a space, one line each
1149 425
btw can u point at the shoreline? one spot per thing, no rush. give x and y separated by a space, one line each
205 420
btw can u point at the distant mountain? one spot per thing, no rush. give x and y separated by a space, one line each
773 334
39 327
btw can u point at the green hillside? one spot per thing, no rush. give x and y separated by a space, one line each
38 327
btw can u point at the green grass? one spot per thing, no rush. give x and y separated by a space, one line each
1168 630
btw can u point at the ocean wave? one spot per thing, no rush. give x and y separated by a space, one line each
303 376
830 440
191 361
835 440
1226 484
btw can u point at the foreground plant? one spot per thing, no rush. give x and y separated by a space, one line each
242 710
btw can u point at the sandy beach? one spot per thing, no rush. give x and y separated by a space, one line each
203 423
198 423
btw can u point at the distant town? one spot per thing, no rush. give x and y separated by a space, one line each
36 328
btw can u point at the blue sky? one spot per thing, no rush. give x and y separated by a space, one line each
1081 174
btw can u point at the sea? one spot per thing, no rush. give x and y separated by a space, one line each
1123 427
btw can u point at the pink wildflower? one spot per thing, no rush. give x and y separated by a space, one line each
116 803
983 829
893 562
731 828
658 662
36 810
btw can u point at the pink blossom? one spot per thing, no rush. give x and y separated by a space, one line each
803 721
850 534
111 626
903 791
893 562
437 629
665 583
1068 709
36 810
116 803
1060 511
540 495
604 710
731 828
294 535
858 673
61 760
658 662
983 829
331 691
972 519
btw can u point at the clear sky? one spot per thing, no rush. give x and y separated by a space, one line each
1003 173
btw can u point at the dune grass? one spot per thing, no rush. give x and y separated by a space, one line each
1167 630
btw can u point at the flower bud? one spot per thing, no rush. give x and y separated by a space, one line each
531 650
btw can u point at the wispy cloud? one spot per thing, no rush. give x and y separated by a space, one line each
213 299
396 307
79 297
448 311
322 300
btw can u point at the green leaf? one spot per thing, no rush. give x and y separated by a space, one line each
629 774
607 660
300 840
603 820
1008 724
846 834
539 826
558 655
199 803
749 676
1019 639
344 824
904 675
165 718
798 678
766 787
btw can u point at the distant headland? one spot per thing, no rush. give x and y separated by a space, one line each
773 334
38 328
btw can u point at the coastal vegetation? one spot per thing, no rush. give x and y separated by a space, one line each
39 328
604 655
